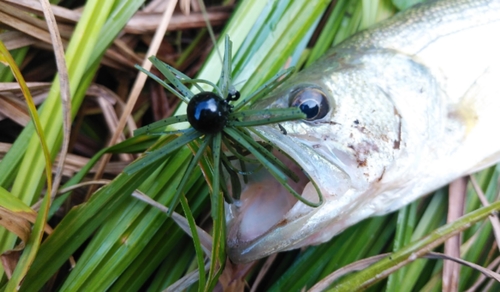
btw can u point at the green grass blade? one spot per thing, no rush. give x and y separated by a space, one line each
152 157
427 223
35 238
404 4
5 72
197 245
225 75
404 229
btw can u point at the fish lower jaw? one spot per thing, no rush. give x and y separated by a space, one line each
268 221
298 227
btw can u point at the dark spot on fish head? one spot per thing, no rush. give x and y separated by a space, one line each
327 122
396 112
397 143
283 130
356 122
382 175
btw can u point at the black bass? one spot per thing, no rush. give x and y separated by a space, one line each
394 113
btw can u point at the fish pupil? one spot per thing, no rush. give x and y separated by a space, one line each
207 112
310 108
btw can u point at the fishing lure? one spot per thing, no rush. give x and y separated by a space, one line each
218 122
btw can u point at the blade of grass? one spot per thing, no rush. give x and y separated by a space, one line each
432 218
225 83
35 238
18 55
196 241
404 229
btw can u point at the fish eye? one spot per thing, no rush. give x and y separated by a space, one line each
312 102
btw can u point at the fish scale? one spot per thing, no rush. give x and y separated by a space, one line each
413 104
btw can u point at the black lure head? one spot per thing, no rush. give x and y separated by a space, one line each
208 113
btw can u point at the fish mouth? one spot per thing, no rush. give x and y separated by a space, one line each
268 219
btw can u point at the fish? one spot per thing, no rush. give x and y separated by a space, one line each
393 113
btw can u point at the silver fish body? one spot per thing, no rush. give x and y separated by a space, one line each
412 104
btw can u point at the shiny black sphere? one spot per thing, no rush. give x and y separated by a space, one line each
207 112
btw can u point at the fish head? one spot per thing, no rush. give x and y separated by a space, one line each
342 147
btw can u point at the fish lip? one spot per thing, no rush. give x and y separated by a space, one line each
288 232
